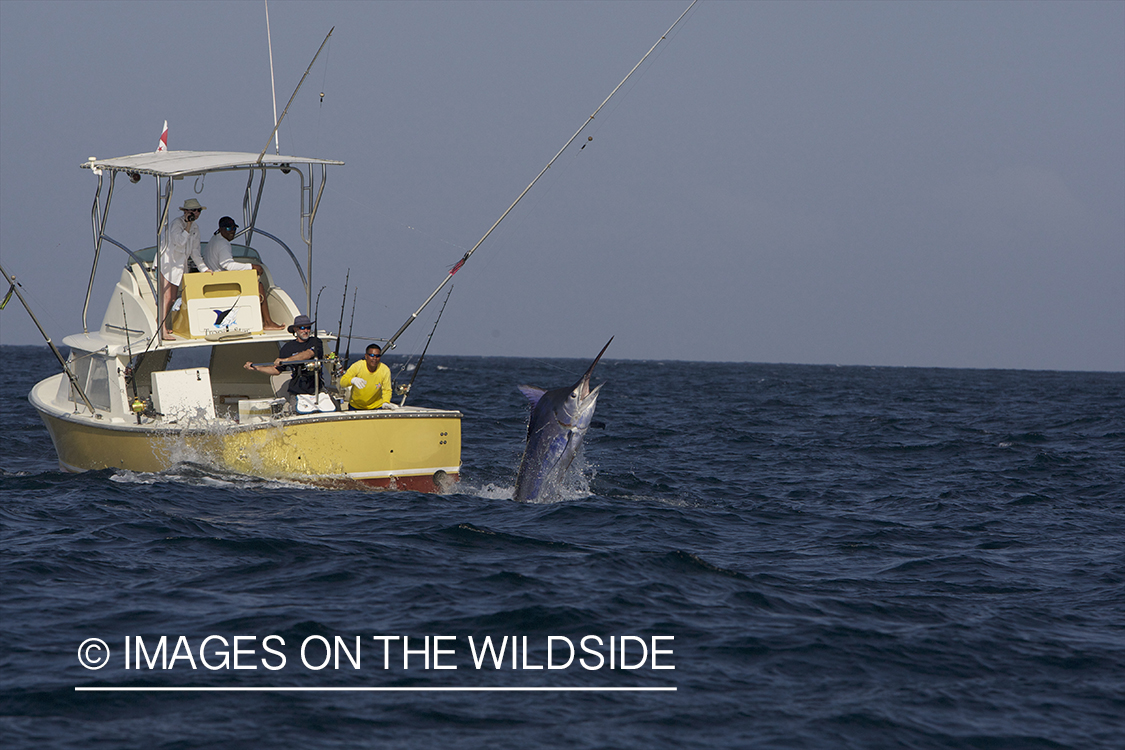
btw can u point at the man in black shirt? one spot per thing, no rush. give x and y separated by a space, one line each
306 378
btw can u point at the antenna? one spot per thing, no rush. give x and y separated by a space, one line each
273 86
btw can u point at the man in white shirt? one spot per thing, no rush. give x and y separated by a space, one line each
218 257
180 242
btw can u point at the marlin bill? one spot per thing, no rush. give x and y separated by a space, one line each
559 420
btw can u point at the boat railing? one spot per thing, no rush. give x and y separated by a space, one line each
296 263
146 257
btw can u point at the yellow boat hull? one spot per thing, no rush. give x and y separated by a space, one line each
405 449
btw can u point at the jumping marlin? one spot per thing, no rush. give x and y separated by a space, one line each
559 419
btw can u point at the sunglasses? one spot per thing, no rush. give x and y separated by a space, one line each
374 356
303 328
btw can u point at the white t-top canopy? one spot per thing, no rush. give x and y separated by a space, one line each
184 163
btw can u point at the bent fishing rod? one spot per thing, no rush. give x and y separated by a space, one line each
467 255
418 365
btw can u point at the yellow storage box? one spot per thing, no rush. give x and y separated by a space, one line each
219 305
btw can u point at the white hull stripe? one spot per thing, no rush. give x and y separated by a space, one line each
412 473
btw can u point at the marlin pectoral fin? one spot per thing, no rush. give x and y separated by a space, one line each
533 394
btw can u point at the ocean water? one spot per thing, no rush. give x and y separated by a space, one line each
829 557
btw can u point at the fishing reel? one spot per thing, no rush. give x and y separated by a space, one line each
335 366
142 407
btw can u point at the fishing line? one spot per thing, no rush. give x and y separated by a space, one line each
625 94
391 222
511 233
382 308
465 258
538 200
407 352
394 222
578 179
44 310
553 366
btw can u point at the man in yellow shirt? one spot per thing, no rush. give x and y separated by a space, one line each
370 380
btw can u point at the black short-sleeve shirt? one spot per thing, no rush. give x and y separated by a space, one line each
304 376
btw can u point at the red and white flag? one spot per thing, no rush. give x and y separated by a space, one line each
163 145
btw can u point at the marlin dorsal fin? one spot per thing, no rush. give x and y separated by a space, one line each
533 394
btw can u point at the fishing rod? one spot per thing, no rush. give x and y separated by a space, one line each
422 356
316 310
137 405
351 325
15 287
292 363
343 304
467 255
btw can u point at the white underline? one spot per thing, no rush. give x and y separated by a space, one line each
373 689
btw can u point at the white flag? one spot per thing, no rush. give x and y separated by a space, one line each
163 145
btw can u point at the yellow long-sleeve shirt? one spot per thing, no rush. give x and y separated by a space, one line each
377 391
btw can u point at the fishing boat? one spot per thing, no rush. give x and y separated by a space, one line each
128 399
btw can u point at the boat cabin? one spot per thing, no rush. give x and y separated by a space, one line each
124 363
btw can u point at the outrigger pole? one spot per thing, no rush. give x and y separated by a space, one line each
58 355
286 110
465 257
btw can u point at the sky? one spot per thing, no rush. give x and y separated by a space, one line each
890 184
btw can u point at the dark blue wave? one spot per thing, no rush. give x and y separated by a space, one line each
844 557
